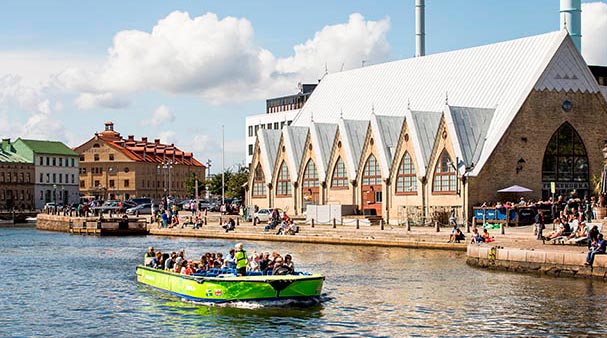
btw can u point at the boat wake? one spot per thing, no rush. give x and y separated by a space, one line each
261 303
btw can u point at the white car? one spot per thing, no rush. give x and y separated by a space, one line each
264 215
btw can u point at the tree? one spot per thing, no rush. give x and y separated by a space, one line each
190 185
235 187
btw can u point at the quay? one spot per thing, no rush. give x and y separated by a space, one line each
102 226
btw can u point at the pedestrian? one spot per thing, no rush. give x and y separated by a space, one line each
539 224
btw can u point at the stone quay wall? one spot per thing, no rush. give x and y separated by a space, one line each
53 222
541 262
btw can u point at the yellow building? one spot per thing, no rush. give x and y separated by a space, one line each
112 167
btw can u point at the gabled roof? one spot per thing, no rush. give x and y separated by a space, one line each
470 127
423 126
295 141
353 134
47 147
268 144
323 136
386 130
499 75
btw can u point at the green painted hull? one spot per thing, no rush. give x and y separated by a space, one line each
232 288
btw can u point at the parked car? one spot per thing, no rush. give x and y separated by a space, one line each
141 200
264 215
143 209
204 205
51 205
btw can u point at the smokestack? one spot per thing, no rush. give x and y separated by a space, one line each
571 19
420 28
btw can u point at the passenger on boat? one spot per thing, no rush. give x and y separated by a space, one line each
254 261
230 261
150 252
241 260
170 262
264 262
280 268
218 260
289 263
157 262
189 270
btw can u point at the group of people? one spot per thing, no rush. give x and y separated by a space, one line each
283 225
477 237
237 258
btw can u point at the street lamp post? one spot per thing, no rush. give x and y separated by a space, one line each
166 165
55 196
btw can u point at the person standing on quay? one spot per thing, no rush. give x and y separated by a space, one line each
539 224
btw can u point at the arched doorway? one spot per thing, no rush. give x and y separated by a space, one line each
565 163
310 185
372 194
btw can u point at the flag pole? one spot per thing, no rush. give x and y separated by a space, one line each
223 169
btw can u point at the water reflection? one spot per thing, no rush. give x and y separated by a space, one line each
60 285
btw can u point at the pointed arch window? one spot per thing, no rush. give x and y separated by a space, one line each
371 172
310 178
259 183
340 176
565 162
406 179
283 183
445 177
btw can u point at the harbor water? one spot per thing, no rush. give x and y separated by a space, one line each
60 285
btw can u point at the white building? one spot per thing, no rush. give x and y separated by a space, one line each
56 171
280 111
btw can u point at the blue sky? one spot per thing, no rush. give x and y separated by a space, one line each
68 66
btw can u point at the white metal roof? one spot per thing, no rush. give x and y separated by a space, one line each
353 138
386 130
268 145
323 136
295 140
498 76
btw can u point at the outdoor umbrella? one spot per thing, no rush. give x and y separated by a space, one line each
515 189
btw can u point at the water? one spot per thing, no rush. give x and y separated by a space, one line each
55 284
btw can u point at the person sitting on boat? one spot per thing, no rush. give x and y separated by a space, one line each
169 264
280 268
289 264
189 270
254 261
264 262
241 260
230 261
218 263
157 262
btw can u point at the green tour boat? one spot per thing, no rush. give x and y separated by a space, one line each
223 285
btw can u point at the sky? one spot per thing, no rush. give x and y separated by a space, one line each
180 70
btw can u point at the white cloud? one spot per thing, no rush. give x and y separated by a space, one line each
594 33
168 137
162 115
219 60
87 101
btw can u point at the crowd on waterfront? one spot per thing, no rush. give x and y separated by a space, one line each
236 261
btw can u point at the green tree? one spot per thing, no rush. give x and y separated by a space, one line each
214 184
235 187
190 186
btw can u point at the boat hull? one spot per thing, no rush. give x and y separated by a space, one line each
231 288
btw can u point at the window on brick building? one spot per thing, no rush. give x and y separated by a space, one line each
81 183
371 172
111 157
96 157
126 183
111 183
310 177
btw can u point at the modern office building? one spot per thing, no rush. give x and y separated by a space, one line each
112 167
280 112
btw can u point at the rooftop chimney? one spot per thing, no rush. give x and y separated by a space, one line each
571 20
157 141
420 30
144 139
131 137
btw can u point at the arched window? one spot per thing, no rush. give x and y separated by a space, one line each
340 176
406 180
283 183
371 173
565 162
310 178
259 184
445 177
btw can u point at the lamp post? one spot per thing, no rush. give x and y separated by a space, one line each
603 178
166 165
55 195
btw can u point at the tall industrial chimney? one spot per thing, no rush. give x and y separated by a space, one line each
571 19
420 31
